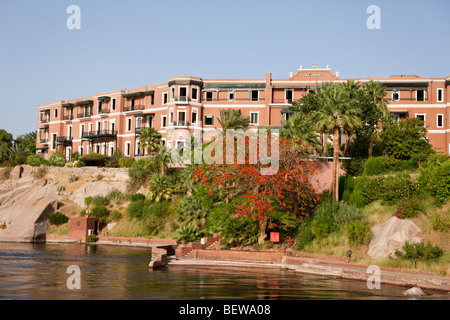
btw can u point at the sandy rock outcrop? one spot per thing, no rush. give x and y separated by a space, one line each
24 209
95 188
390 236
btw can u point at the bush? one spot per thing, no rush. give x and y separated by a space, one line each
126 162
419 251
99 212
305 236
155 209
136 209
137 197
115 215
100 201
440 221
374 166
189 234
138 176
91 238
88 200
439 183
57 159
407 209
35 160
358 233
57 218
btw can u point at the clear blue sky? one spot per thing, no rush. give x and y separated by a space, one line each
129 44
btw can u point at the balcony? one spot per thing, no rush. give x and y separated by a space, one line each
103 112
180 123
68 117
137 108
43 141
84 115
181 99
88 135
63 140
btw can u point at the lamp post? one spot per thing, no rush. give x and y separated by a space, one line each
415 262
285 250
349 254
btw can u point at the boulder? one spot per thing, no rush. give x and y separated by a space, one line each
414 292
390 236
95 188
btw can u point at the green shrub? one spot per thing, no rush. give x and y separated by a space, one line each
72 178
35 160
126 162
358 233
320 229
88 200
155 209
136 209
138 176
57 159
100 201
115 215
419 250
91 238
440 221
61 188
374 166
115 195
57 218
137 197
75 156
439 183
99 212
189 234
305 237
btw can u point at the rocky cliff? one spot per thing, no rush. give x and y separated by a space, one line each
26 201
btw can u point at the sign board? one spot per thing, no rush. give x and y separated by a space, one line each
313 74
274 237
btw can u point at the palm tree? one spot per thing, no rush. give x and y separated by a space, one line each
163 158
337 110
302 129
149 139
374 109
232 119
160 188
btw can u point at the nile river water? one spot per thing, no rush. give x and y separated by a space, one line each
39 271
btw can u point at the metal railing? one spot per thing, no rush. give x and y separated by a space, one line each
181 98
133 108
98 133
68 117
180 123
84 115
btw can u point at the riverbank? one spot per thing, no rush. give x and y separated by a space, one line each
335 267
302 263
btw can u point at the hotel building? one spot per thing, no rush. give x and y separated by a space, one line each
110 121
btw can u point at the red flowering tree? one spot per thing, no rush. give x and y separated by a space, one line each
278 201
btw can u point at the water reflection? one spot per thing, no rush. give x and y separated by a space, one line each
38 271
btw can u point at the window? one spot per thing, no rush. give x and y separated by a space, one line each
128 124
171 117
165 98
81 130
56 113
194 93
163 121
254 95
209 96
421 117
138 122
113 104
289 94
127 148
254 118
231 96
194 118
440 95
209 120
395 95
54 135
440 121
420 95
99 108
183 93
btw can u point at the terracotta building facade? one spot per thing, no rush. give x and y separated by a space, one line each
185 105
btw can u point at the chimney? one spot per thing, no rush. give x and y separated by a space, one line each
290 75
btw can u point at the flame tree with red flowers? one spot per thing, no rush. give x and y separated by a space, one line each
278 201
